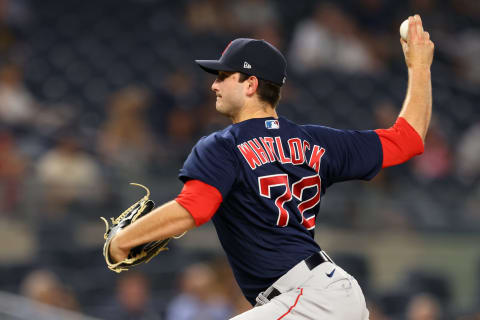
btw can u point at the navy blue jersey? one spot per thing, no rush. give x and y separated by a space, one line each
271 174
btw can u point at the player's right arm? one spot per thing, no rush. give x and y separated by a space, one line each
418 52
406 137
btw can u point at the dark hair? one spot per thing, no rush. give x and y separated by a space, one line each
267 90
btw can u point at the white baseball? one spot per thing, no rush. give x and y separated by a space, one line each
404 30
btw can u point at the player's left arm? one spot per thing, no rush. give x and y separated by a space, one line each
169 220
195 205
406 137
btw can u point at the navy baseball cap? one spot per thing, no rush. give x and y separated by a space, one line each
250 56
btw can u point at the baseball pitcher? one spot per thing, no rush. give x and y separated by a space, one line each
261 181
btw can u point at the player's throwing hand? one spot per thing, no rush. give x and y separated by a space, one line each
418 49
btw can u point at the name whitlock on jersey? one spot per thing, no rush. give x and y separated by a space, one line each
271 150
262 150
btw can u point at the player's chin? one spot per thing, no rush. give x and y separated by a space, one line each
219 106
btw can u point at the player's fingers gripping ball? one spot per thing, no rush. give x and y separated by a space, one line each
416 43
141 253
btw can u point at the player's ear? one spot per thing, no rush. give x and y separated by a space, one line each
252 85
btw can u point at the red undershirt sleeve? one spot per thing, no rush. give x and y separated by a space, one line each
200 199
399 143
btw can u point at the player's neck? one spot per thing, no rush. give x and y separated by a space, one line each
254 110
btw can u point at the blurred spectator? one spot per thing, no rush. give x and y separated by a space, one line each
181 125
12 171
251 14
14 13
468 154
70 185
53 117
43 286
465 11
433 13
182 87
17 106
329 39
424 307
376 312
200 297
378 206
374 15
377 19
176 146
208 16
13 16
466 59
68 175
126 140
472 316
6 39
436 161
385 114
133 299
470 207
464 34
270 33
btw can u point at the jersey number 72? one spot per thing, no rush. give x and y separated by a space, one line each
265 184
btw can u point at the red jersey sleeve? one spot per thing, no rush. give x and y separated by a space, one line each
399 143
200 199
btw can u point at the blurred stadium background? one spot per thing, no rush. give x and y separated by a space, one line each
97 94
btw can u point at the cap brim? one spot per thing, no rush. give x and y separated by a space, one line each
212 66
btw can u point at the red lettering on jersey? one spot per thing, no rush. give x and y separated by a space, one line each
316 157
283 158
257 147
265 183
296 151
249 155
297 190
306 145
268 144
309 223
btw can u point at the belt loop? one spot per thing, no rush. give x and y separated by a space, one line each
267 295
261 299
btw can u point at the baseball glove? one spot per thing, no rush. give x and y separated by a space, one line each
141 253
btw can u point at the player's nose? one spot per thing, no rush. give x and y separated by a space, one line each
215 86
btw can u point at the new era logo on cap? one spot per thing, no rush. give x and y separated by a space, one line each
272 124
247 65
